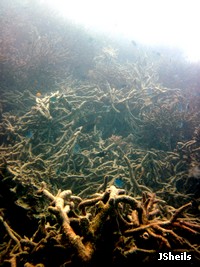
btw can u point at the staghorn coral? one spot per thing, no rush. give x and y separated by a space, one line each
119 124
86 230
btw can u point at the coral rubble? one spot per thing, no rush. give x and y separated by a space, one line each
58 173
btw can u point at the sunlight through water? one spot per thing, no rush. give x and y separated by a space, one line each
170 23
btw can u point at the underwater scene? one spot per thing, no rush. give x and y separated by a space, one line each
99 146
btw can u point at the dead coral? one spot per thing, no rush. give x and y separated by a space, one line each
144 226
